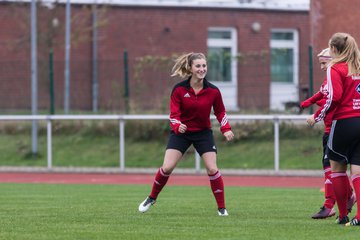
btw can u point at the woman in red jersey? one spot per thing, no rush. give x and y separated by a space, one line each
190 106
327 210
343 102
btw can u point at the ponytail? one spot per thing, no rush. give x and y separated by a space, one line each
182 66
347 51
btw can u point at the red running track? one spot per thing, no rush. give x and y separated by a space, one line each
185 180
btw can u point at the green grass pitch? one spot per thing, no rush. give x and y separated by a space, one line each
54 211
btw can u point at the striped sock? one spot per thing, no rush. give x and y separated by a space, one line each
356 183
350 189
329 191
160 181
339 181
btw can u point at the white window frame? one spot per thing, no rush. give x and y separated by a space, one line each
228 43
293 44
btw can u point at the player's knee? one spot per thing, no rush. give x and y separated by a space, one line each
212 171
167 170
355 170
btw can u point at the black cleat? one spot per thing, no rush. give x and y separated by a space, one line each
324 213
353 222
343 220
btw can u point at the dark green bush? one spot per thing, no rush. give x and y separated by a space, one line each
264 131
158 130
148 130
291 130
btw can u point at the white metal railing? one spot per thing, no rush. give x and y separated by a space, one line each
276 119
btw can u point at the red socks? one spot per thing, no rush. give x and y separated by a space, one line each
160 181
350 189
356 183
340 182
217 187
216 182
329 191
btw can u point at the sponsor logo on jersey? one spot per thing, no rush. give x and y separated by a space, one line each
358 88
187 95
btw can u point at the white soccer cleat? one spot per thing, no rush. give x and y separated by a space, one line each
223 212
146 204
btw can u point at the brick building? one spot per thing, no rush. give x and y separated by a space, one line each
328 17
257 52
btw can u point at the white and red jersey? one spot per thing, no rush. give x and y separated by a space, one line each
320 98
194 110
343 100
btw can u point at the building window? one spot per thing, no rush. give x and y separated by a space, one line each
284 54
221 51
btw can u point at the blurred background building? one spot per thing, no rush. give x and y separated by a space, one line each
122 51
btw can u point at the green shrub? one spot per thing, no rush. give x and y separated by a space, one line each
158 130
149 130
264 131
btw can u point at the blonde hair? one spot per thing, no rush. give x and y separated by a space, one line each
183 63
325 53
347 51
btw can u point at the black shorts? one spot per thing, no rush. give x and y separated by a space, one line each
325 160
203 141
344 141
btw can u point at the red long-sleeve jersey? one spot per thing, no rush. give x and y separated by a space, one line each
317 97
320 99
337 103
194 110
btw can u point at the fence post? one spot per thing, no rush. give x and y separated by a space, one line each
122 144
94 59
311 84
276 144
197 162
49 144
51 85
126 82
34 78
